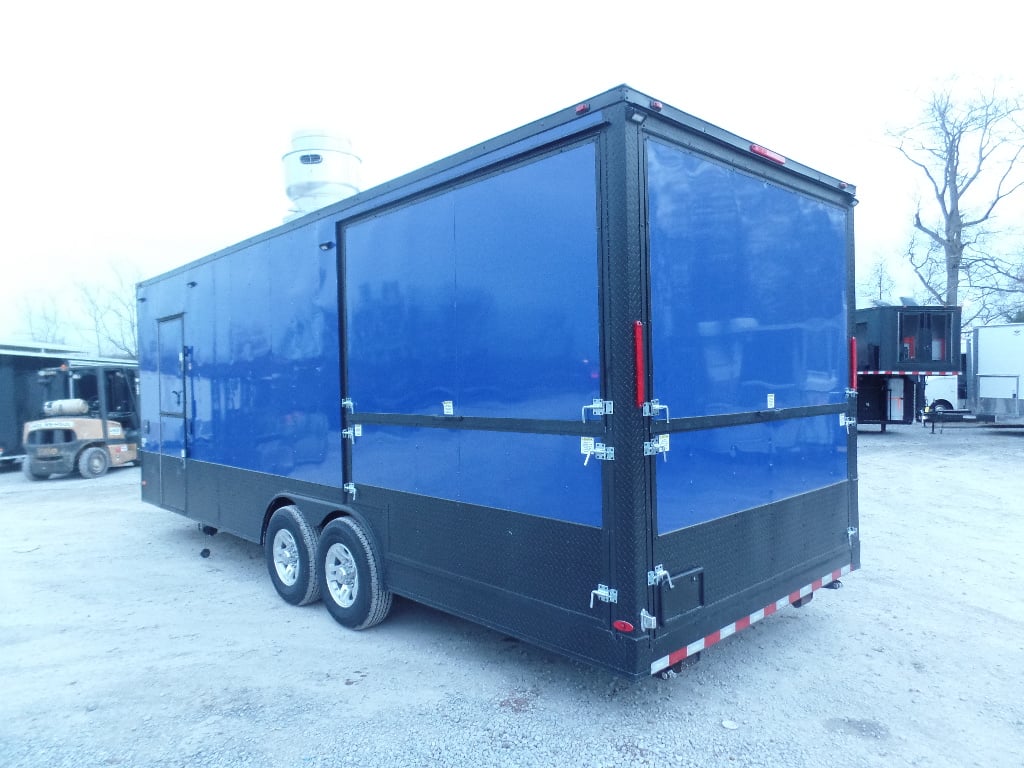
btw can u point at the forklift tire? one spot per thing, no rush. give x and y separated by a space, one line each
93 462
290 550
32 473
350 572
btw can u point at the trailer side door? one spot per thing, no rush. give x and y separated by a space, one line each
172 449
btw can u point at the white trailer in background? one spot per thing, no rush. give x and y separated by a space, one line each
995 369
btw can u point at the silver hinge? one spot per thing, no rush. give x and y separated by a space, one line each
351 433
652 408
658 575
647 621
605 594
597 408
350 488
850 533
589 447
348 405
847 421
659 444
851 392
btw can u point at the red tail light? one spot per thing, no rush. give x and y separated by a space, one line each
853 363
638 359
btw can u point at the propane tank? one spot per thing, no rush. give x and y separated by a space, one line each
320 169
68 407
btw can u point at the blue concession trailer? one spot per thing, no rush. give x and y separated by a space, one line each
587 383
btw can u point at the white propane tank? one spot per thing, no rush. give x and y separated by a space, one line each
69 407
320 169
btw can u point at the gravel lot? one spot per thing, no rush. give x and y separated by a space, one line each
121 645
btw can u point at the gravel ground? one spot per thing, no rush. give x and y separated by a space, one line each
120 645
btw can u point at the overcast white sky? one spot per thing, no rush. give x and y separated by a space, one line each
149 134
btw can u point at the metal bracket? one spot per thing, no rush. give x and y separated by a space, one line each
348 405
653 407
597 408
605 594
647 621
851 392
350 488
351 433
658 575
660 444
850 533
847 421
590 447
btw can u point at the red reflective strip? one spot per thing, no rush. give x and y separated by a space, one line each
641 367
739 625
853 363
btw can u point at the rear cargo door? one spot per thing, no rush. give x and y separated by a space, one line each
748 374
172 452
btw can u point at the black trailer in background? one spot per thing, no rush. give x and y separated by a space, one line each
897 347
21 397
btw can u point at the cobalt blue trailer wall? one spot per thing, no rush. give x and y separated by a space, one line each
586 383
485 297
241 369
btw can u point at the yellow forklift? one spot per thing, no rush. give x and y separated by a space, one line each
89 421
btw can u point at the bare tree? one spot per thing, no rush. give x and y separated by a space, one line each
972 155
878 283
43 320
110 308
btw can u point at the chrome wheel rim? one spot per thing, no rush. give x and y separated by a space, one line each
342 580
286 558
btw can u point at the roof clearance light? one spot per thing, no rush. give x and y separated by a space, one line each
582 109
767 154
657 106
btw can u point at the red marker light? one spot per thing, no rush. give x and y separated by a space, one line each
657 106
853 363
622 625
640 363
767 154
582 109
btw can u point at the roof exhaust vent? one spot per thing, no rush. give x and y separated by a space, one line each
320 169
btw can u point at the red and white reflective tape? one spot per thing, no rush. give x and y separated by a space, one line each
706 642
908 373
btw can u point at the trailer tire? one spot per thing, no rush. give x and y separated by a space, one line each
93 462
32 473
290 550
351 575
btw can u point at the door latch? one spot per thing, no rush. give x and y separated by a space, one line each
658 575
589 447
605 594
660 444
597 408
652 408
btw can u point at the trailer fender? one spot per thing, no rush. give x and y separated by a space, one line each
316 512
